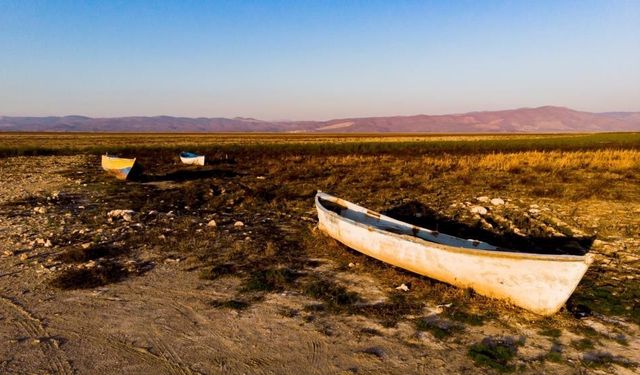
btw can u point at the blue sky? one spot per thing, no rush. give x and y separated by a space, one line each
315 59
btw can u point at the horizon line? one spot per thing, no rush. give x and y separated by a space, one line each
238 117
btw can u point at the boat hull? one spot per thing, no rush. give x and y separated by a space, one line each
198 160
121 168
539 283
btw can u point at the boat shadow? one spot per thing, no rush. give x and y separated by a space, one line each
536 241
182 175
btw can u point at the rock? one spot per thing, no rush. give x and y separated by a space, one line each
40 210
152 212
125 215
8 253
48 243
534 211
238 224
351 265
403 287
478 210
212 224
261 178
497 201
24 256
86 245
374 350
40 241
483 199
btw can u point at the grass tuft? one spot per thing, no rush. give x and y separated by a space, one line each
495 353
270 280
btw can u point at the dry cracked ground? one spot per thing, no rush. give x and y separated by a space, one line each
221 270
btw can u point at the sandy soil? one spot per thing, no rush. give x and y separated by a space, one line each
162 320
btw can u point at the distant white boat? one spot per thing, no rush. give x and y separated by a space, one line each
191 158
540 283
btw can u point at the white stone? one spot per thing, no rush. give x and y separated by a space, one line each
483 199
212 224
238 224
497 201
40 210
403 288
479 210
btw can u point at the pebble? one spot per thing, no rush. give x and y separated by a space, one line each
497 201
124 214
238 224
403 287
212 224
40 210
479 210
483 199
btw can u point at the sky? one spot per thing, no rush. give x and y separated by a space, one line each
298 60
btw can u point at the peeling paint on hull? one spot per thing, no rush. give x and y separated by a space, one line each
537 282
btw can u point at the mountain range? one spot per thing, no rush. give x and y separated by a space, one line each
548 119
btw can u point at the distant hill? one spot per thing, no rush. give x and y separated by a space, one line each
524 120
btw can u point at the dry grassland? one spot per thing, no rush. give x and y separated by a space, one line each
166 288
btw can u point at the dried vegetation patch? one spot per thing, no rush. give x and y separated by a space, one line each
264 236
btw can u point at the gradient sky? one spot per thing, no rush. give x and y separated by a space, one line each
315 59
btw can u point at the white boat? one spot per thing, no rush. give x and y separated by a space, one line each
540 283
191 158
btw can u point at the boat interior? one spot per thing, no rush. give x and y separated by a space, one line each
403 220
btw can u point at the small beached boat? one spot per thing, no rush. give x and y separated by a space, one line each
537 282
119 167
191 158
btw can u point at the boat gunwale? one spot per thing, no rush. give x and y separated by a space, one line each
587 258
190 155
117 157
